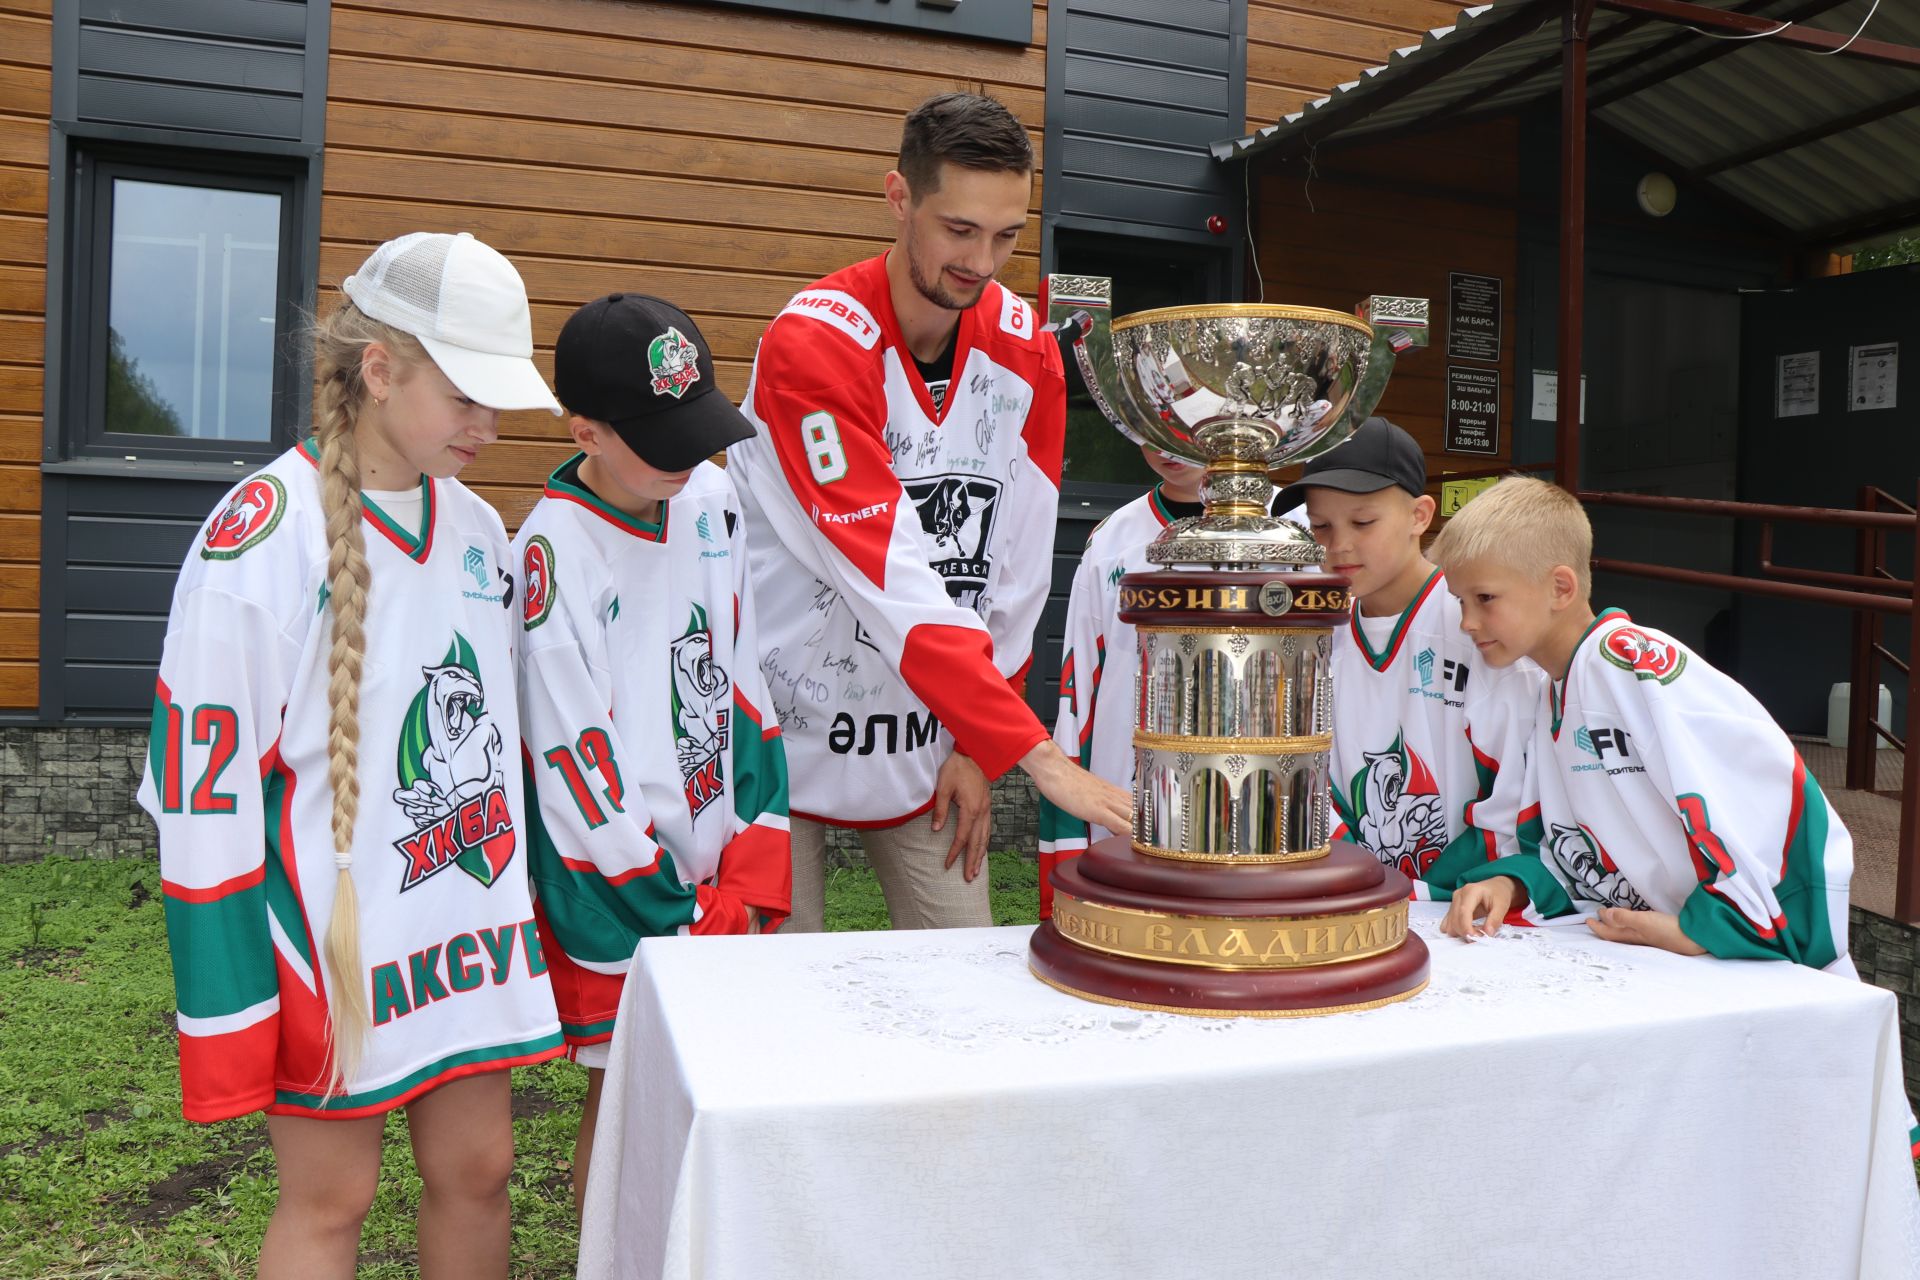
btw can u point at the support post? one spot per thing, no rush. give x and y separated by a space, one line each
1863 748
1906 887
1573 237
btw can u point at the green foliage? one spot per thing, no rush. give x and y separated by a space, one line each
99 1175
1894 253
133 402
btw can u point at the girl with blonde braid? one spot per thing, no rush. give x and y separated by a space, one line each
355 932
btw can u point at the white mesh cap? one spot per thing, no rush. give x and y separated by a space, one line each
467 306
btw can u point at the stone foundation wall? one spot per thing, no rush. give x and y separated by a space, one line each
1888 955
71 790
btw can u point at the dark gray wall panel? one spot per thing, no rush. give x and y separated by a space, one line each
1185 15
264 21
106 638
181 106
97 540
123 693
1203 51
125 588
1137 162
190 60
1164 87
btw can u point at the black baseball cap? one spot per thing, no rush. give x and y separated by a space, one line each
1377 456
640 365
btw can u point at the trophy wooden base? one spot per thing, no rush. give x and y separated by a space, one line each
1266 940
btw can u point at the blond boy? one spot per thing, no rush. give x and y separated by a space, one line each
1673 812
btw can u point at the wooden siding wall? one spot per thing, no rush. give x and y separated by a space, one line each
26 60
717 157
1298 50
1397 218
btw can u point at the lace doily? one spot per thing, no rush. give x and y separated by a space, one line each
965 998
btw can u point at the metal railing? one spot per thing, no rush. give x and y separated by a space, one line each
1871 592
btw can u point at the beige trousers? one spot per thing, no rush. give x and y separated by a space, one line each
920 892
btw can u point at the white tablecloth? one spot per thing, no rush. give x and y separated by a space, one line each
833 1106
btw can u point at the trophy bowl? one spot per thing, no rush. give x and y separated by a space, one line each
1242 388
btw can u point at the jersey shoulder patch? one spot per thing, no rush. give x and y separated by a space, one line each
837 310
251 514
1016 317
1647 656
540 589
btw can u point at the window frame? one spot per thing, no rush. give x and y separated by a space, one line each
85 436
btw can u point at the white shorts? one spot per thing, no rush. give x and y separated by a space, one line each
593 1055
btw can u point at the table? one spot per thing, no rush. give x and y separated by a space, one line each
899 1105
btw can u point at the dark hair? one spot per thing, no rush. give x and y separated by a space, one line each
964 129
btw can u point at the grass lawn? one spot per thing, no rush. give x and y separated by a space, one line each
99 1175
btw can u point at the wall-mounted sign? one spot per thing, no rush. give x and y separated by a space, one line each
1546 396
1009 20
1796 385
1473 317
1872 375
1473 410
1455 494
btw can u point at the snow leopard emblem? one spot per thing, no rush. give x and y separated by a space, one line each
1396 811
701 709
452 781
1587 870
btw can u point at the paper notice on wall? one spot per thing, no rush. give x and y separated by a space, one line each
1872 374
1796 385
1546 396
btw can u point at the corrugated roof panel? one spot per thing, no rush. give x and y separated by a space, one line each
1742 99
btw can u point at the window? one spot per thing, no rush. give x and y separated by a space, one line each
1146 274
183 309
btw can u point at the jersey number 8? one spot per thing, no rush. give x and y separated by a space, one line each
825 455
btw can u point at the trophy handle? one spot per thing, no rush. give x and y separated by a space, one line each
1399 324
1083 305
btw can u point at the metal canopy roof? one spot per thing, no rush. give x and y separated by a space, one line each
1827 148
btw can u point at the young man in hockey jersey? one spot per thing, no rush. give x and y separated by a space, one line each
1426 767
1097 660
899 496
1673 812
657 784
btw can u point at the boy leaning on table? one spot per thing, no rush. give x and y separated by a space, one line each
1673 811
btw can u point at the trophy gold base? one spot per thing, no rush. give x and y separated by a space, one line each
1269 941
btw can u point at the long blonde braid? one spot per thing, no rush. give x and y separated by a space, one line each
340 343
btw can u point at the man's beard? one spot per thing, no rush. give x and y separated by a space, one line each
935 290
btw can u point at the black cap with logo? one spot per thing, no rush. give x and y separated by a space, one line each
1377 456
640 365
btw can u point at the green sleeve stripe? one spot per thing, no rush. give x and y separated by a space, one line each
594 919
1545 893
222 953
1804 933
759 767
282 900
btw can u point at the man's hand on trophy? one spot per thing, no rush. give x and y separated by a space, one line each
1086 796
962 787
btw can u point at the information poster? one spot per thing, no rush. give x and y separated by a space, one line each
1872 375
1796 385
1473 410
1473 317
1546 396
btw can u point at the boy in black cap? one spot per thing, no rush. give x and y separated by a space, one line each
657 784
1418 745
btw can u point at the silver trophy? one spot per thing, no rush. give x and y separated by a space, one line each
1233 706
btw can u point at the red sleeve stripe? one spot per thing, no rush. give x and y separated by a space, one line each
213 893
1796 812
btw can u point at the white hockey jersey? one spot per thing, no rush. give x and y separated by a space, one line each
656 781
1097 662
237 782
900 556
1426 765
1663 784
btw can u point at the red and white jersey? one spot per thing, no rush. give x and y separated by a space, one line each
237 782
660 782
1426 764
1663 784
900 555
